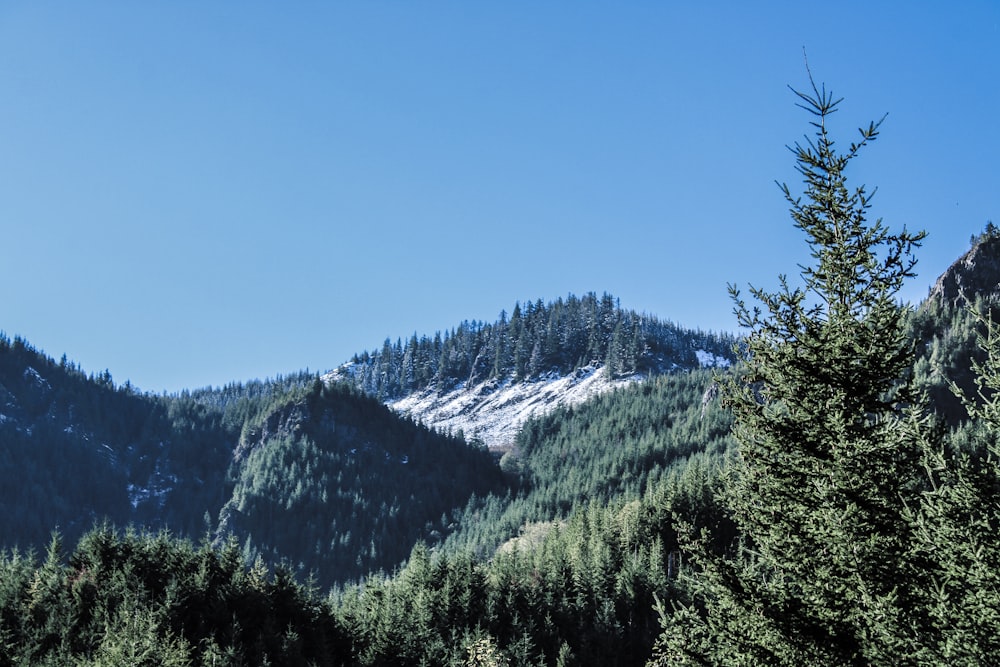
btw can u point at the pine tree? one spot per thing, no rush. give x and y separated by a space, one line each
830 441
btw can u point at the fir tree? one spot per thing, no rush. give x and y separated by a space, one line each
830 441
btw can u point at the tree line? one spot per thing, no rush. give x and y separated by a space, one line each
535 339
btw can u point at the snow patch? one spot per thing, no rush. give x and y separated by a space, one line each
109 453
709 360
35 378
493 411
158 490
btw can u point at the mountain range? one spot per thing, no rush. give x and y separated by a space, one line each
445 439
542 489
316 471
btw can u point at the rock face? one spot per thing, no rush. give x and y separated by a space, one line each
976 273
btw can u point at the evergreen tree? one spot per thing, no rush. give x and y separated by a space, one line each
830 442
957 524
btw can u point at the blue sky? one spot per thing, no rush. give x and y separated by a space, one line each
194 193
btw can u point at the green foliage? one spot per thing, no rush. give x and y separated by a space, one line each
332 481
142 599
830 442
578 591
957 522
615 446
537 339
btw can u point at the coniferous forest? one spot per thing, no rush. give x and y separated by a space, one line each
833 498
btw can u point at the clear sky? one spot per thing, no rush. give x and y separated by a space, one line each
198 192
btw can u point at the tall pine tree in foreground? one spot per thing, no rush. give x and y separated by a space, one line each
830 442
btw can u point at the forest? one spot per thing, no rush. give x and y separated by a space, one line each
557 337
832 499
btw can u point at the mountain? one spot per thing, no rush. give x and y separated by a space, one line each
560 553
319 476
946 325
974 275
485 380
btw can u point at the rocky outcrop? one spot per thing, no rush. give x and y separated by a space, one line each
975 274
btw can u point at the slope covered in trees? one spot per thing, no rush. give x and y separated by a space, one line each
78 448
334 482
538 338
613 448
319 476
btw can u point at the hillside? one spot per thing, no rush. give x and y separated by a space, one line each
336 484
944 327
78 449
321 477
485 380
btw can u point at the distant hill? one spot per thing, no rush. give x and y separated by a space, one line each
486 379
321 477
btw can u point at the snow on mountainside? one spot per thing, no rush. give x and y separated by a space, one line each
488 378
493 411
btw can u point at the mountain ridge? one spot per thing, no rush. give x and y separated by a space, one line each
487 379
975 274
79 448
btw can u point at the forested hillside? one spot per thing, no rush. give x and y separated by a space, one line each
578 584
615 447
78 448
557 337
317 475
335 483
